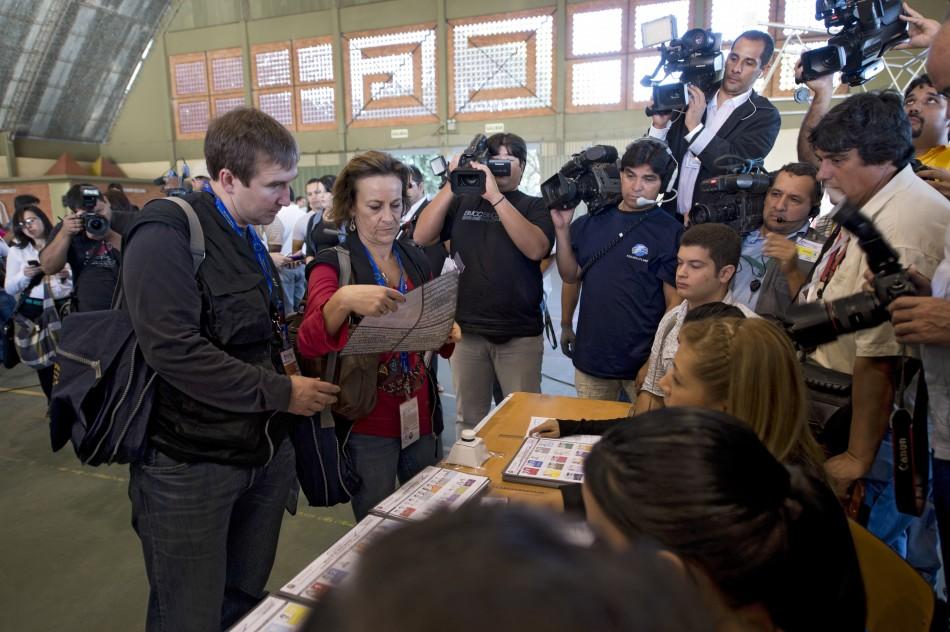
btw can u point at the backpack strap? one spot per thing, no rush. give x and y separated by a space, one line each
346 270
196 234
196 243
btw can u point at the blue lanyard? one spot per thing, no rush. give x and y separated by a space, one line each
250 236
402 287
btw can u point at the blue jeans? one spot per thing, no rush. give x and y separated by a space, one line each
915 539
294 281
209 534
381 460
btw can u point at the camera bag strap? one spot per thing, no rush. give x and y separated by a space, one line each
615 241
910 443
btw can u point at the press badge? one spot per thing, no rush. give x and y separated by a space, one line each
289 360
409 421
808 250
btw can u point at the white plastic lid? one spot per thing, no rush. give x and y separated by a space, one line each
468 435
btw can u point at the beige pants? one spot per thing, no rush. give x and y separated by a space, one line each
590 387
475 364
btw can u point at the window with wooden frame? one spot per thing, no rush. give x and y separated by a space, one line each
315 85
272 80
596 61
502 64
205 85
390 76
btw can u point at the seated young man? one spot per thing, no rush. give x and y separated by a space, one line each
626 255
706 263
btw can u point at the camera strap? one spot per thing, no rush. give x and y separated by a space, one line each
910 443
615 241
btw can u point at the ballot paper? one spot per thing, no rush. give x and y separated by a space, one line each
337 563
550 462
273 615
422 323
431 489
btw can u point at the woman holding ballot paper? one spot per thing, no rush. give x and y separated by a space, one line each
399 436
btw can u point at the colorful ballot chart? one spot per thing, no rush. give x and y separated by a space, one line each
431 489
550 462
337 563
274 614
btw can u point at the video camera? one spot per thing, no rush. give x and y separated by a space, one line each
96 225
591 176
697 56
743 200
870 28
814 324
465 180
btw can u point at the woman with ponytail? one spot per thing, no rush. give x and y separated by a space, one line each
767 543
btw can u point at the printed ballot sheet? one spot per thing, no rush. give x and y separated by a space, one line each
273 615
337 563
422 323
431 489
550 462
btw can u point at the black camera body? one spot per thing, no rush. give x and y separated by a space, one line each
814 324
591 176
697 56
869 28
740 205
96 225
465 180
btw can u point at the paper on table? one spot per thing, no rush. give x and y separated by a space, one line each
534 423
273 614
422 323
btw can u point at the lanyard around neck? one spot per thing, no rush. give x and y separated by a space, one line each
250 237
403 288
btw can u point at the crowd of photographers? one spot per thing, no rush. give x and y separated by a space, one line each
693 273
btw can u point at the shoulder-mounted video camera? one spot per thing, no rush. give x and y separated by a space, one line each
697 56
814 324
96 225
591 176
741 201
465 180
868 29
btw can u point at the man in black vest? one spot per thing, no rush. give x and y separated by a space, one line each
208 498
735 125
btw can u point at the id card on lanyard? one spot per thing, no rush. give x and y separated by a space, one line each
247 234
409 409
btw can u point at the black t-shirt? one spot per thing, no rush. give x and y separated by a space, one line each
321 235
95 266
500 288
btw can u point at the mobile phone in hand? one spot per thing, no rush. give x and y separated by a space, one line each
33 262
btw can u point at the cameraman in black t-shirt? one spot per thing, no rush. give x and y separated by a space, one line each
501 237
92 248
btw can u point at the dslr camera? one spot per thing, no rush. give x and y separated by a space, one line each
869 28
697 57
591 176
468 181
814 324
96 225
740 202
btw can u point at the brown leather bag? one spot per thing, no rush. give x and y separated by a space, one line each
354 374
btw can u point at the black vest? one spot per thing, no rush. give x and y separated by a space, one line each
236 316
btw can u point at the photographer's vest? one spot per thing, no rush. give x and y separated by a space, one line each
236 316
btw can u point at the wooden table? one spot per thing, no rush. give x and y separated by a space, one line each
503 431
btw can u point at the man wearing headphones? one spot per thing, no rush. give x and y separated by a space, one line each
626 256
777 258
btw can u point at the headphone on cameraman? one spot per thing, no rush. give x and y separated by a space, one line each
656 145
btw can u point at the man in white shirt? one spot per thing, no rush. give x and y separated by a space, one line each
705 265
736 122
291 273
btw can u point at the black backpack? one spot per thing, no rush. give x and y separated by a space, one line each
102 387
